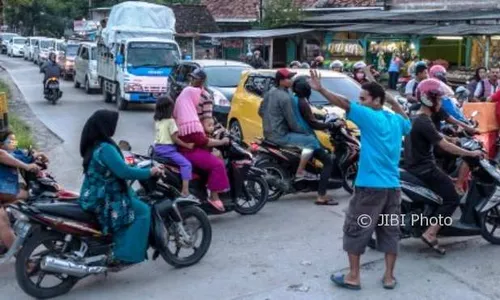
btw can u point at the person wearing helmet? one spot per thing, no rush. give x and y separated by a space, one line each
305 65
281 125
420 160
377 182
257 61
317 63
358 72
306 118
50 68
337 66
420 75
295 64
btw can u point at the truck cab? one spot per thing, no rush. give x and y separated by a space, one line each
138 72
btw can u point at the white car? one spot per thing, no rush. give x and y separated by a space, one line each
42 50
29 47
16 46
86 68
5 37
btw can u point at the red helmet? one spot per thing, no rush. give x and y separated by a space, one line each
437 71
429 92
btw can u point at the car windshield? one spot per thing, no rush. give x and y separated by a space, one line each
343 86
71 50
19 41
7 36
46 44
152 54
223 76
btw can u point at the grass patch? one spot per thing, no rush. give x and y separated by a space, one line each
22 130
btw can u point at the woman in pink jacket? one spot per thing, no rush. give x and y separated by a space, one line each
194 103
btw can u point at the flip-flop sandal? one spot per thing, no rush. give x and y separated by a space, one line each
434 246
389 286
330 202
339 280
217 205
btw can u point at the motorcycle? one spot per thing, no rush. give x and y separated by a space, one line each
280 163
479 206
401 85
76 247
52 92
249 189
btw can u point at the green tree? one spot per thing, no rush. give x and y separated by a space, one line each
278 13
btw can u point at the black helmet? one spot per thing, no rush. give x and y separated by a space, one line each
52 56
301 87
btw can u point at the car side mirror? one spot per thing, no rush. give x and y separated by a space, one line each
119 59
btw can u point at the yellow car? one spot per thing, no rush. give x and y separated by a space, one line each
244 120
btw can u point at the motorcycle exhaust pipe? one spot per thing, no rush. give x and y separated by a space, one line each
57 265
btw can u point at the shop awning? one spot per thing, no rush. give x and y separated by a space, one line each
263 34
382 28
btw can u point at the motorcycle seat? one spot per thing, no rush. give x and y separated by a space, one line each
274 145
71 211
410 178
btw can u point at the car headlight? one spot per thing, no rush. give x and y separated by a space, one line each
220 99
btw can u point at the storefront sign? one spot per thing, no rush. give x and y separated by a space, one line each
84 25
232 43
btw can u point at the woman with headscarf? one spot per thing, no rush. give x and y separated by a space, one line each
105 191
192 105
480 75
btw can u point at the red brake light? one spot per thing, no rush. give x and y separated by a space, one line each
130 160
254 147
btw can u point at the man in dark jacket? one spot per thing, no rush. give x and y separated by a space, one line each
257 61
280 124
50 69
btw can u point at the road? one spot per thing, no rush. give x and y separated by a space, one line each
287 251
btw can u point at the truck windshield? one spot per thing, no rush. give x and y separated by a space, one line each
46 44
71 50
152 54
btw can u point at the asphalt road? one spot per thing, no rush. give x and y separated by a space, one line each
287 251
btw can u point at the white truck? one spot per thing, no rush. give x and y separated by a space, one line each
136 53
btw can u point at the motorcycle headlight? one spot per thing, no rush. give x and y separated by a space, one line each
220 99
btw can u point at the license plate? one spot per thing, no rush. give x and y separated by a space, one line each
21 228
53 86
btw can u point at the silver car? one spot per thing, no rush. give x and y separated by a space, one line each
29 47
42 50
86 68
5 37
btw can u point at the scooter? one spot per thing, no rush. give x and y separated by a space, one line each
280 163
248 192
75 246
52 92
479 206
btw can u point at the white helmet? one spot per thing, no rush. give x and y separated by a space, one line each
359 65
337 64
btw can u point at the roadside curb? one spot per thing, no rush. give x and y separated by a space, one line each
56 136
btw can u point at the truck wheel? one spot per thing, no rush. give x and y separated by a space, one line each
120 102
108 97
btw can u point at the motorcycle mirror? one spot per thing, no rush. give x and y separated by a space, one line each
474 113
124 145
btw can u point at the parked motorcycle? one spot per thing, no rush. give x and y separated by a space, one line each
479 206
52 92
249 189
281 163
75 247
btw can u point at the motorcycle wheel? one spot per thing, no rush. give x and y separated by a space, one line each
349 176
491 217
173 235
275 173
25 257
252 194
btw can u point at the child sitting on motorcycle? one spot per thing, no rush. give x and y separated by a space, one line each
209 127
167 140
12 185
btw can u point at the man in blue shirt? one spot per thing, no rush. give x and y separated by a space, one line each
377 184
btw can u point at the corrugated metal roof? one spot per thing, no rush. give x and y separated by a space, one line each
399 15
269 33
436 30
